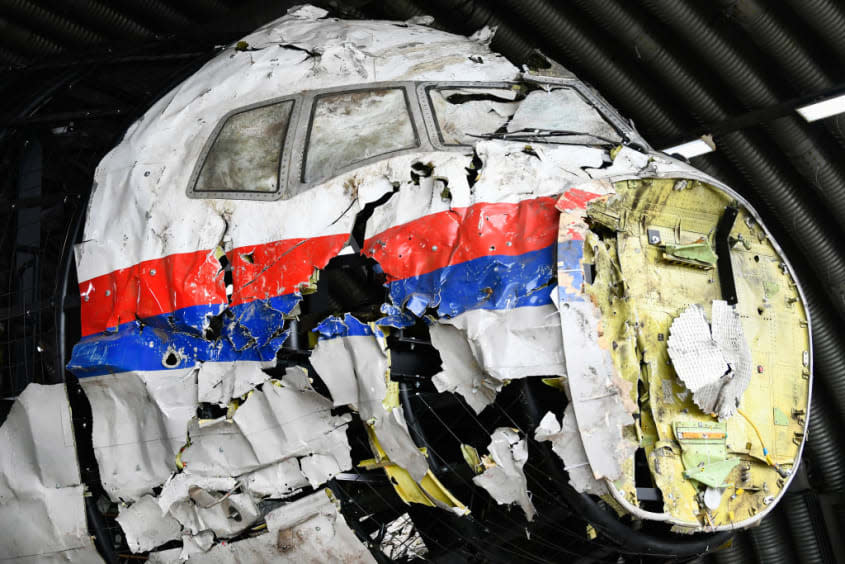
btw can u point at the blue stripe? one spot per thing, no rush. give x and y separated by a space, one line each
395 317
188 320
252 331
255 331
349 326
569 255
492 282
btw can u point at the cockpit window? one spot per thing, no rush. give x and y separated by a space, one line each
246 155
466 114
350 127
561 109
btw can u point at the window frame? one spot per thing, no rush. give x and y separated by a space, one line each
423 122
607 112
303 134
423 91
282 172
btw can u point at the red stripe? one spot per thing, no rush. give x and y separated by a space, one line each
275 269
575 199
462 234
150 288
164 285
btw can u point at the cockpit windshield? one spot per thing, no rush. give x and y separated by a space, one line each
560 115
350 127
248 155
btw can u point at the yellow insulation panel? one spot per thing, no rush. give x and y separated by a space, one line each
649 291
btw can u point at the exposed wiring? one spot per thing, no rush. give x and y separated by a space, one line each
769 459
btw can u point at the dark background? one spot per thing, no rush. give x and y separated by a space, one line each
74 74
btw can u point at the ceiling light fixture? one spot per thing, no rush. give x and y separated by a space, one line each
823 109
694 148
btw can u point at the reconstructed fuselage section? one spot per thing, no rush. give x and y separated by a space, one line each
510 217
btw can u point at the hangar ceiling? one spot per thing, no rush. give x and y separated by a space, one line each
75 73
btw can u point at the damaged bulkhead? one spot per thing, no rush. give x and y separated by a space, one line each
286 293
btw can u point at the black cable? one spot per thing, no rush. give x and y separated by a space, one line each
823 449
515 523
606 523
807 534
770 541
62 30
827 18
739 552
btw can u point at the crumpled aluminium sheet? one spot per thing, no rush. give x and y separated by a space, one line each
310 529
567 444
514 344
273 424
505 480
155 278
280 439
219 382
177 487
226 519
193 544
489 247
481 349
141 450
712 359
140 421
351 359
460 372
146 527
599 410
278 480
42 509
138 453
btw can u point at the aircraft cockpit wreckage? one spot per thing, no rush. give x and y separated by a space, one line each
366 291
